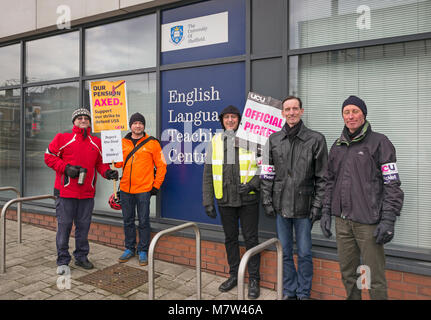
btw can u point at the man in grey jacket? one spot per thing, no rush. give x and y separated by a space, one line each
363 193
295 192
230 175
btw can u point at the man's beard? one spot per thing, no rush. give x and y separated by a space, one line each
138 133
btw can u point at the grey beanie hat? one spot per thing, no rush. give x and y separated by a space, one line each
80 112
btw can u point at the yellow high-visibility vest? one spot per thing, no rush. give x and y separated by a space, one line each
245 157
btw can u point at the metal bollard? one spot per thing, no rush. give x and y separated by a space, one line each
151 256
3 225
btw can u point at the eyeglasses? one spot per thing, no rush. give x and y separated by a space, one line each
83 118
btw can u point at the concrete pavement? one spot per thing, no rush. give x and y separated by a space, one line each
31 273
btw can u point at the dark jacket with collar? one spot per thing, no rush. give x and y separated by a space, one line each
300 165
231 178
362 179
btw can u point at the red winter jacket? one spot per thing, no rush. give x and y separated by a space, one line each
71 148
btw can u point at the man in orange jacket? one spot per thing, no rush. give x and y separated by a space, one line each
138 184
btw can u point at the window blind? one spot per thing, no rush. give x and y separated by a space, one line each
394 81
324 22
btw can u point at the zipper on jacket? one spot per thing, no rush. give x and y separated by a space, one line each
130 179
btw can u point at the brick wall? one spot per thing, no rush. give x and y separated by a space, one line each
327 283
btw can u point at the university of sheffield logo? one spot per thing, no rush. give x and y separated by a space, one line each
177 34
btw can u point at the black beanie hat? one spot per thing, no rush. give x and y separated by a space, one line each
229 109
356 102
136 117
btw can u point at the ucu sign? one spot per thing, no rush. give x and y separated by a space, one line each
389 167
257 97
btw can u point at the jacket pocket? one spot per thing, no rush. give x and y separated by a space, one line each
376 202
303 200
66 181
93 181
247 198
277 191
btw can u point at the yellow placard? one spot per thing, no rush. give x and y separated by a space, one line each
108 105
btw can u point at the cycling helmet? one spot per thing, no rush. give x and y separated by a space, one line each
115 203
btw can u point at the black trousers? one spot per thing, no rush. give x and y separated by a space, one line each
248 217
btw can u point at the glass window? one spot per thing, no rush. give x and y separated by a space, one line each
267 22
324 22
48 111
124 45
141 97
265 69
54 57
10 101
10 65
394 81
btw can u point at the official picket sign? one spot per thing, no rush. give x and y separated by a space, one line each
112 150
261 118
108 102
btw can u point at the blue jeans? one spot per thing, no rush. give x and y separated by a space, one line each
71 211
296 283
140 203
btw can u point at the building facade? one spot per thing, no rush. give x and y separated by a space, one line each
183 62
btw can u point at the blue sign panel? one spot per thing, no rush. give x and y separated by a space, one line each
192 100
206 30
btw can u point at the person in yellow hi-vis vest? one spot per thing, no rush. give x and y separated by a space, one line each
230 175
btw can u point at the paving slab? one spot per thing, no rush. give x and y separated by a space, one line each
31 273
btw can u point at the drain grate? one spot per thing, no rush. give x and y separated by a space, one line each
117 279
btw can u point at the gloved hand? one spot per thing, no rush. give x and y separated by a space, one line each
244 188
210 211
72 171
385 229
154 191
111 174
315 214
269 210
325 222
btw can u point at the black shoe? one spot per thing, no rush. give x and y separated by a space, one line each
84 263
253 289
289 297
229 284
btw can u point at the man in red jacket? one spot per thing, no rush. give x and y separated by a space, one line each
70 155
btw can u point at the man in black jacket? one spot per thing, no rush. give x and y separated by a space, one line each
363 193
299 158
230 174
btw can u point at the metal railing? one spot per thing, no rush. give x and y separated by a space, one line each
18 210
3 225
151 256
256 250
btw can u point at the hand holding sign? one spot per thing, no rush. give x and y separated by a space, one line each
112 150
108 100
